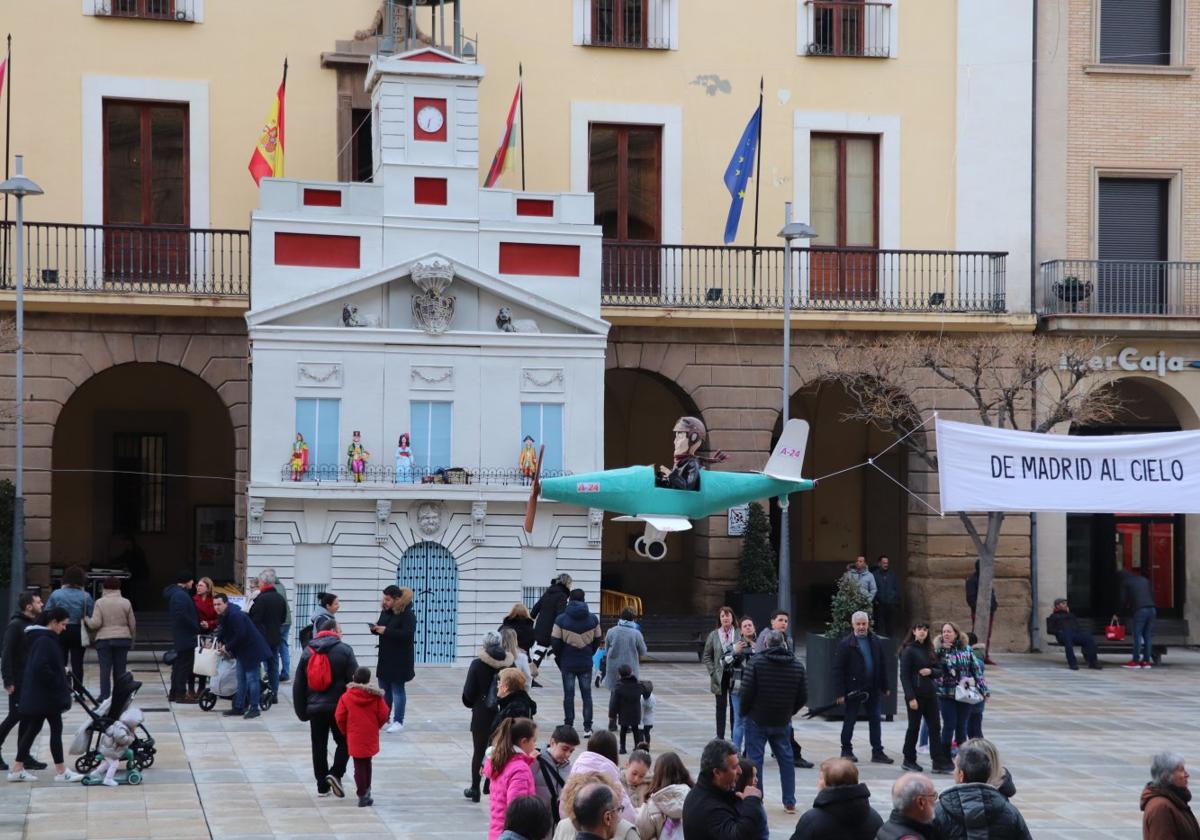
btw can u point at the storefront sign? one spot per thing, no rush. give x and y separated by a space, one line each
981 468
1130 360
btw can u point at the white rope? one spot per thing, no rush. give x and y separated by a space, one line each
884 452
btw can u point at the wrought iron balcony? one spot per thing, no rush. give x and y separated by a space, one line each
1119 287
386 474
849 28
179 11
128 259
837 279
629 24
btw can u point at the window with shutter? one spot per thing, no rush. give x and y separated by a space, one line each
1135 33
1131 245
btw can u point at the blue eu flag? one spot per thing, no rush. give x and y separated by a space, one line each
738 173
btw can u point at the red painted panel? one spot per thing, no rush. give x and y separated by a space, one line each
429 191
322 198
317 250
432 56
535 207
542 260
438 136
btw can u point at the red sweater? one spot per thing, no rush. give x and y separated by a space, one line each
206 612
360 713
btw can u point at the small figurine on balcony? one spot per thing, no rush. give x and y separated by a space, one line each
299 462
404 464
527 461
357 457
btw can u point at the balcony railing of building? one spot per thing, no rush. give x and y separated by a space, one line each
852 28
630 24
179 11
386 474
125 259
1119 287
839 279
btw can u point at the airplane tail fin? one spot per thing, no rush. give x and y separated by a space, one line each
787 459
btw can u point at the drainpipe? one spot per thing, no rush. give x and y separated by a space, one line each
1035 631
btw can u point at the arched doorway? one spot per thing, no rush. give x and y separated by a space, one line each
640 408
144 478
859 511
1101 544
429 570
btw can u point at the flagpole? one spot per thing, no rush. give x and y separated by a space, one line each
7 126
757 181
521 117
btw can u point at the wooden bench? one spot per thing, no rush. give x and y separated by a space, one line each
1168 633
671 633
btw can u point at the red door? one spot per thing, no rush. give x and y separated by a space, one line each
1147 545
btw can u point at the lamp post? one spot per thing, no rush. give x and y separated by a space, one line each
791 230
19 186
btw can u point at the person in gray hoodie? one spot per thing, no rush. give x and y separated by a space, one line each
860 574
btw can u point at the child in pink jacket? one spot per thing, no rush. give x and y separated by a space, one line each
510 768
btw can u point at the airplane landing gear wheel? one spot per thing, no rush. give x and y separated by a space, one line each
639 546
656 549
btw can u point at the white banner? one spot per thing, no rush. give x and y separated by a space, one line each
981 469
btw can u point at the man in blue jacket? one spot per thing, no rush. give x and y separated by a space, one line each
185 626
860 678
575 637
242 641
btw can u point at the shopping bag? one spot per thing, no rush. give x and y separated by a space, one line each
205 663
85 636
1115 631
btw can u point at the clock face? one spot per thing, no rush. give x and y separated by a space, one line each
430 119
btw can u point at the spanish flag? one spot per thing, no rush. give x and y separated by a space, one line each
267 159
508 142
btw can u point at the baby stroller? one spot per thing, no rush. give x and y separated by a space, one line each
115 711
223 686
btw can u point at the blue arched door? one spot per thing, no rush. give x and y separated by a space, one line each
429 570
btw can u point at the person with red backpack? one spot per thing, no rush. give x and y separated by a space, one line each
325 669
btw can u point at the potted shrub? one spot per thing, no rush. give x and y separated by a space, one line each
1072 290
758 584
821 648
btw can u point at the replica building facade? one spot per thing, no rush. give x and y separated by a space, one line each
414 340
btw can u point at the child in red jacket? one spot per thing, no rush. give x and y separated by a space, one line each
360 714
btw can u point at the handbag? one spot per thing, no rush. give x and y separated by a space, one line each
1115 631
85 637
205 663
967 692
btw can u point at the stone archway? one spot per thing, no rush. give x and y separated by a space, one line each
145 478
64 351
640 407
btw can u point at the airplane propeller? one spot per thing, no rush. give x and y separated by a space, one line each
531 505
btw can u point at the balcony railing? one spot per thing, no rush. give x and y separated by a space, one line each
849 28
180 11
386 474
129 259
841 279
1119 287
631 24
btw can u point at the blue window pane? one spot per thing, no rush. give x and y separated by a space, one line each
431 437
327 431
306 424
544 423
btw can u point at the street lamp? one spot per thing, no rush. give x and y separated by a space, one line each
19 186
791 231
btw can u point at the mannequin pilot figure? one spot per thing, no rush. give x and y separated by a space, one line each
685 474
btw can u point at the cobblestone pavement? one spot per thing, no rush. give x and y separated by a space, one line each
1078 746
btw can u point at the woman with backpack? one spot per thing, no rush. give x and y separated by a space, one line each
480 696
510 768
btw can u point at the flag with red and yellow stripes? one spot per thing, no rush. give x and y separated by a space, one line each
267 159
508 143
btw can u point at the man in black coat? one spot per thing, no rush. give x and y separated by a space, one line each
972 807
887 598
548 608
317 705
12 667
185 626
397 632
860 680
913 798
269 613
712 811
1065 627
774 688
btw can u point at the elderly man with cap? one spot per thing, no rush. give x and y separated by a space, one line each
685 473
1064 626
913 801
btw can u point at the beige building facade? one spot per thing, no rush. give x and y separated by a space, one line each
1116 239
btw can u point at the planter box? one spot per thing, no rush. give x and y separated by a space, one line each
757 605
819 653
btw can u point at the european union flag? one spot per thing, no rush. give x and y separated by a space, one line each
738 173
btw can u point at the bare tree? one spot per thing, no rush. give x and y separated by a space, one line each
1024 381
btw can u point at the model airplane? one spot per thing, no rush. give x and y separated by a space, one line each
634 492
